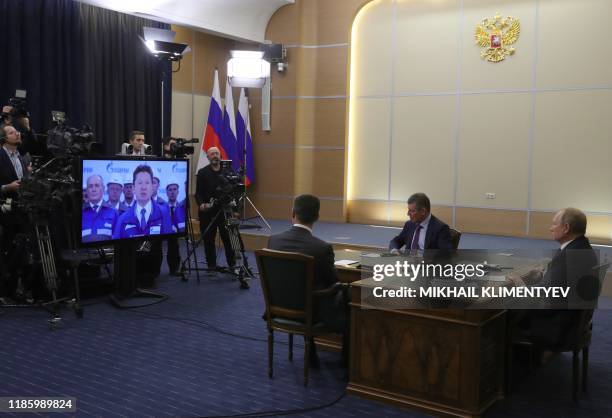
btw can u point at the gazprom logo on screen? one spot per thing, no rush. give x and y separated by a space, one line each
110 169
177 169
87 170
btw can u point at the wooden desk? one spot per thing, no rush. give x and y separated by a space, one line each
444 361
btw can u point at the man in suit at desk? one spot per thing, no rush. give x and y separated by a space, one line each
332 311
573 262
423 231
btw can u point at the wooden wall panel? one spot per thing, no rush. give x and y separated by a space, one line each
491 221
322 71
368 212
282 119
321 122
332 210
320 172
271 206
182 80
210 52
599 227
274 170
284 84
284 25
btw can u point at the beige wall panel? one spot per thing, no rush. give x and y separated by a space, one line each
572 149
321 122
539 222
599 227
271 207
274 170
427 58
210 52
422 158
369 149
182 80
368 212
328 22
182 111
322 71
284 84
574 48
494 150
371 55
284 25
491 221
282 118
332 211
320 172
516 71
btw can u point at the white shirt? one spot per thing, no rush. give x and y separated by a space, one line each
303 227
147 207
99 205
424 225
565 244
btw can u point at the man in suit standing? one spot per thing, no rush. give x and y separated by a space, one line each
423 231
12 170
572 265
332 311
12 165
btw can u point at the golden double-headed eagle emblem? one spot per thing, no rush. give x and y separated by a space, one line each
496 34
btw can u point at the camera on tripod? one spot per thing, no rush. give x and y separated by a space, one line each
229 192
179 148
67 140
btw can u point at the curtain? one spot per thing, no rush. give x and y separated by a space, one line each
88 62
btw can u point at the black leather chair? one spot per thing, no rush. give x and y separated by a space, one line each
577 337
287 280
455 237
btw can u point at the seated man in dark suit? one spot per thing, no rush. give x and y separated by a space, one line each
299 239
573 262
423 231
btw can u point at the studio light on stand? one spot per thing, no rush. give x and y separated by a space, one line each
248 69
127 294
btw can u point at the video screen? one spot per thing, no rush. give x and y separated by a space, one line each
130 198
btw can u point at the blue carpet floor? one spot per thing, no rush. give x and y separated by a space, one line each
203 353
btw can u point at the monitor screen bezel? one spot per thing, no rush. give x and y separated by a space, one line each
144 159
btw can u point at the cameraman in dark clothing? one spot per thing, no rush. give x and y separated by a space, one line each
30 142
209 179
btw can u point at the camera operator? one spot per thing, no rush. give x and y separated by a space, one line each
209 180
12 170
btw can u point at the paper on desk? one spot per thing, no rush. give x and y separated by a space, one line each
345 263
371 255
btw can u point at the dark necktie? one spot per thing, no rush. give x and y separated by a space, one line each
95 208
172 213
143 222
415 239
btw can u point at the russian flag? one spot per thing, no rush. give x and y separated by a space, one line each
244 143
214 126
228 138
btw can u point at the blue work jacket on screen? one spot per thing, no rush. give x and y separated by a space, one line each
178 217
128 224
97 225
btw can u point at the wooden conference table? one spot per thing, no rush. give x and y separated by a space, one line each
440 361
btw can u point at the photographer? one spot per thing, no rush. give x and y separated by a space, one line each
209 181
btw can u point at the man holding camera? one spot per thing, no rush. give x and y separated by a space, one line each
208 182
